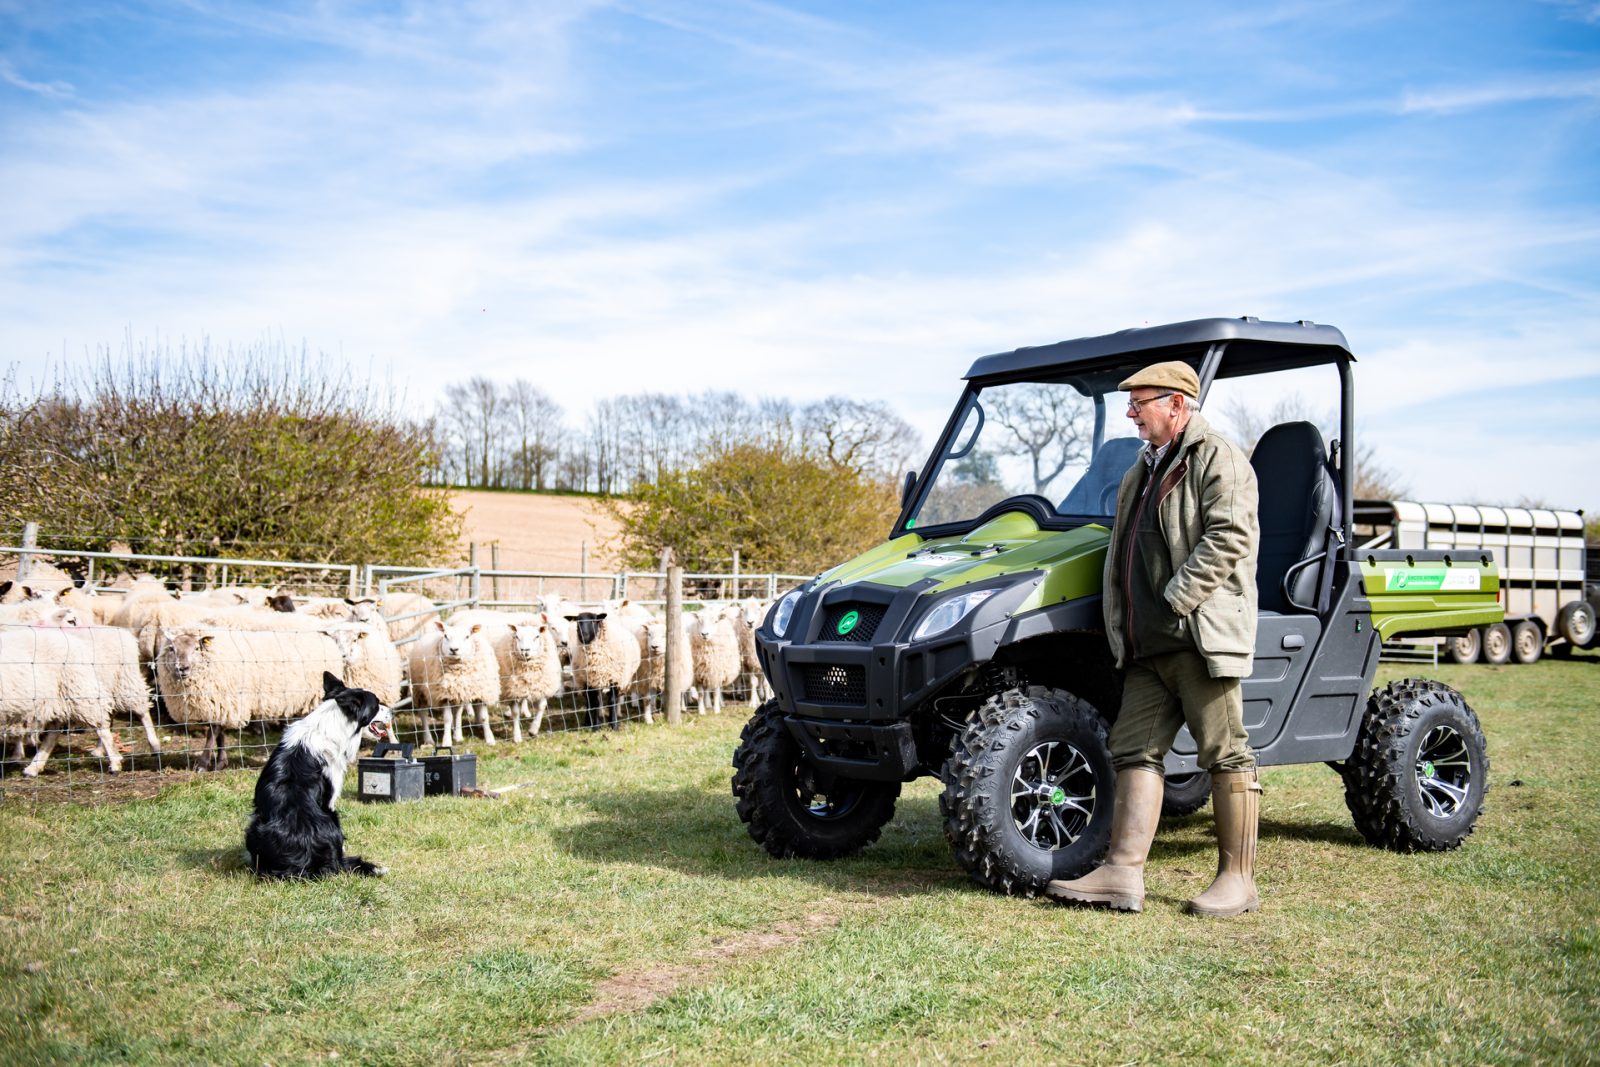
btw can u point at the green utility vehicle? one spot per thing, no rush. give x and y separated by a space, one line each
970 643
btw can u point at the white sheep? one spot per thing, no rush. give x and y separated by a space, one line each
528 652
225 678
115 655
651 681
605 657
48 683
453 667
714 649
747 618
371 661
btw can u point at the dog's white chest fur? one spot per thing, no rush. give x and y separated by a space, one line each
329 736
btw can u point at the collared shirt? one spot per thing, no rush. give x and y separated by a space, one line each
1153 456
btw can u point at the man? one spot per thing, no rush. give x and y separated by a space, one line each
1180 612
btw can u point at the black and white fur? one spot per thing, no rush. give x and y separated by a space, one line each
295 831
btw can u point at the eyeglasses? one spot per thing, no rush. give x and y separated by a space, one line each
1135 405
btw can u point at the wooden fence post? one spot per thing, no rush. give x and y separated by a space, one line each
30 539
673 668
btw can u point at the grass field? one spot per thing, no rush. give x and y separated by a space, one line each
613 910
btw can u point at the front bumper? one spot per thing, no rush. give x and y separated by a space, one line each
847 700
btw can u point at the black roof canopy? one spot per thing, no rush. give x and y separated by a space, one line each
1254 347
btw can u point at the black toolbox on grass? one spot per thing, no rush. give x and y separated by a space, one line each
449 774
389 779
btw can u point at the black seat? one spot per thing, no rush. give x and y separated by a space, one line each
1096 491
1297 502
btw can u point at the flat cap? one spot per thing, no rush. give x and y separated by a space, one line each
1177 376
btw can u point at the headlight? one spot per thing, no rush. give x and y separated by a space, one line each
785 612
949 613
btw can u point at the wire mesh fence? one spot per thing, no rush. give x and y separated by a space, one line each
100 681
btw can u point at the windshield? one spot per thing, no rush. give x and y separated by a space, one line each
1066 441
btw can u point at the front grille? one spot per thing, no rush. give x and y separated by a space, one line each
868 616
825 684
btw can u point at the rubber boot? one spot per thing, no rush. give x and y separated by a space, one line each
1236 801
1119 881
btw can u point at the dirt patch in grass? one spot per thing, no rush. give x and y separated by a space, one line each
635 990
105 789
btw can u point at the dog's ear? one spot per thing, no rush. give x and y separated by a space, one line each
5 587
330 685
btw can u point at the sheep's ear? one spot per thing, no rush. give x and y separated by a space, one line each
438 624
206 639
599 615
361 635
347 600
475 628
330 685
5 587
513 627
570 618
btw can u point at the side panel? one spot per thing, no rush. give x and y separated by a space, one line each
1304 705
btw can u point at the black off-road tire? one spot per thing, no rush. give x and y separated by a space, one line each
1417 778
780 803
1496 644
1185 794
1527 642
1020 736
1464 648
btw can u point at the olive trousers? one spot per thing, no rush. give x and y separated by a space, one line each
1164 692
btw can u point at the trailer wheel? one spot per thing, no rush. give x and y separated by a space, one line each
1527 642
1464 648
1576 623
1496 644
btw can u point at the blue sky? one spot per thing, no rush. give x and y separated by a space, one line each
805 199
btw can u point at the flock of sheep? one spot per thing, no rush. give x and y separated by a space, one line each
226 658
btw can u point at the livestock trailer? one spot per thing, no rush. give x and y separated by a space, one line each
1544 584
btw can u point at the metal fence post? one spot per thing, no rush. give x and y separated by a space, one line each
735 575
672 669
494 568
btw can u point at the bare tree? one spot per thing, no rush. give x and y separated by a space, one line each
1049 424
1373 480
535 421
861 435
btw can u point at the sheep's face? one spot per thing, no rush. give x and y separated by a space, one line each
705 624
524 638
363 610
457 643
655 637
588 625
185 650
281 602
352 645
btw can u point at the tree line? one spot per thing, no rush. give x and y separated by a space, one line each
493 435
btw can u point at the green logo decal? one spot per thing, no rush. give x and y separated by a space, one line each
1058 795
1424 581
1428 769
848 623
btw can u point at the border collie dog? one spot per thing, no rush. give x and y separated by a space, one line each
295 830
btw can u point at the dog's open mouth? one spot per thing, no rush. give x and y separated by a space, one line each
379 729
